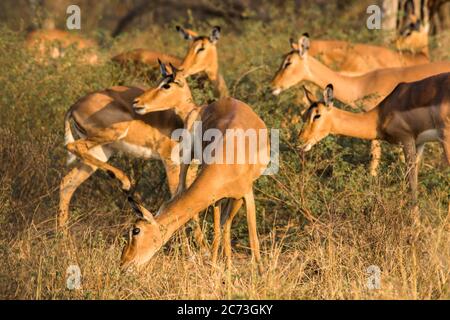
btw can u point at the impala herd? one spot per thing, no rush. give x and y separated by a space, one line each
405 100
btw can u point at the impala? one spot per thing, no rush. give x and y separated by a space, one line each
413 114
215 181
413 32
201 57
356 58
146 57
106 123
368 89
55 41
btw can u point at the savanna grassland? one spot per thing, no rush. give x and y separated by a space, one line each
322 220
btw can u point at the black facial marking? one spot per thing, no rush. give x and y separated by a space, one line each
311 108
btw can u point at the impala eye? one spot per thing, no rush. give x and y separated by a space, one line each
200 49
287 64
136 231
166 86
317 116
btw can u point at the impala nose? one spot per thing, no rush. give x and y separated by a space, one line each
135 102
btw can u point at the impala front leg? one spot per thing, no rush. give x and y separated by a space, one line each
227 230
375 151
252 229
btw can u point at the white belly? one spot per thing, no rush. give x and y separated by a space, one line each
135 150
427 136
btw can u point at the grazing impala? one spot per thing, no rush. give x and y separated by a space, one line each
55 41
201 57
216 180
413 114
368 89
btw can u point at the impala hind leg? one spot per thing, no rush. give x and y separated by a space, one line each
227 230
375 151
252 229
409 148
217 235
70 183
81 149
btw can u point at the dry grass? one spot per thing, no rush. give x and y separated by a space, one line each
322 220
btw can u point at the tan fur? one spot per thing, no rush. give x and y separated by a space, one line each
207 61
368 89
194 61
51 43
413 114
412 35
355 58
146 57
214 182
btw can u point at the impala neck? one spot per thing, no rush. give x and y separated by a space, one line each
185 109
358 125
218 81
184 207
346 87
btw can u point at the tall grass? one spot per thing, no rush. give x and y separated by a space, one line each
322 220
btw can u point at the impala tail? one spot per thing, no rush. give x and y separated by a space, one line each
68 136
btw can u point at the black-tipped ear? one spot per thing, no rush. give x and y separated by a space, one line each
306 34
303 45
309 97
294 44
162 69
174 70
136 209
140 211
215 34
328 95
183 33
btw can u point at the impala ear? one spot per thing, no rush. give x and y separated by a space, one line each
215 34
303 45
294 45
163 69
174 70
328 95
184 33
140 211
309 97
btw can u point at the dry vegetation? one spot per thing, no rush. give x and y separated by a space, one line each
322 219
